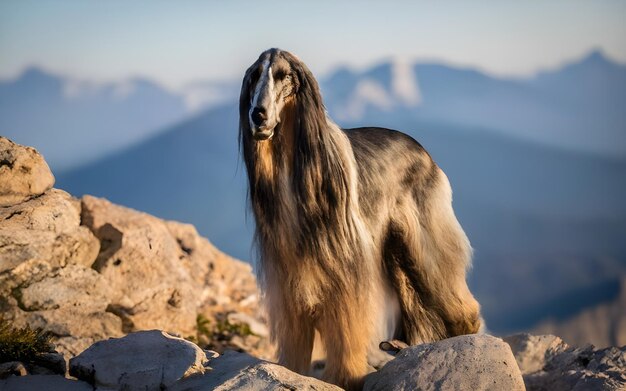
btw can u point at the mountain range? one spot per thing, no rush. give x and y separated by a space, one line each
74 122
579 106
538 168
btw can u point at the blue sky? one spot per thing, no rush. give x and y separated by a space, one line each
175 42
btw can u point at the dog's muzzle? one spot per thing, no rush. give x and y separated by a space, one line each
263 134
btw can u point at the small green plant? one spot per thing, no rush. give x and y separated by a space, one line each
217 333
203 325
225 327
22 344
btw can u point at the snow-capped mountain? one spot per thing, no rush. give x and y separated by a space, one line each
386 87
580 106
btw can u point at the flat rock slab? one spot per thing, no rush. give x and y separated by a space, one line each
24 173
468 362
142 360
240 371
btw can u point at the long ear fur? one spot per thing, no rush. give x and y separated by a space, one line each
321 179
245 145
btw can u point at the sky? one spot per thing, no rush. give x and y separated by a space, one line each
177 42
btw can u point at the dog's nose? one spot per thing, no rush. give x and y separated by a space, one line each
258 116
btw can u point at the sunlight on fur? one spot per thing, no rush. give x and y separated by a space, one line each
357 239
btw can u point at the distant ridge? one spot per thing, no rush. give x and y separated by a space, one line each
578 106
73 122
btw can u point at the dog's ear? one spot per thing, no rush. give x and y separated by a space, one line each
244 99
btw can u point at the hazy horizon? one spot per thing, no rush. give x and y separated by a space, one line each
178 44
329 72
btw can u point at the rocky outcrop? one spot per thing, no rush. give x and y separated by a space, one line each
469 362
147 267
46 278
24 174
86 270
548 363
155 360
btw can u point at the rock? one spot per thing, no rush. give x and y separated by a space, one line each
46 278
532 351
547 363
55 211
49 363
167 275
141 360
24 173
468 362
90 270
137 272
12 368
44 229
145 264
240 371
226 280
72 329
72 286
43 382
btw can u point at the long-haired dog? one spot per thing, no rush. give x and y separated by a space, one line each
355 230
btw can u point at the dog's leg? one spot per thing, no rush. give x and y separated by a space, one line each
294 336
345 339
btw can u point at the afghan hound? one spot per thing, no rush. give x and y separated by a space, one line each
355 230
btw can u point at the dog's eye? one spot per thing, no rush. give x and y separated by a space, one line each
279 75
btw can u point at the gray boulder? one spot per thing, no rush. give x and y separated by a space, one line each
156 360
240 371
142 360
549 364
24 173
468 362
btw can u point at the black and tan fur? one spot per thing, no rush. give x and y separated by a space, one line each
355 230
